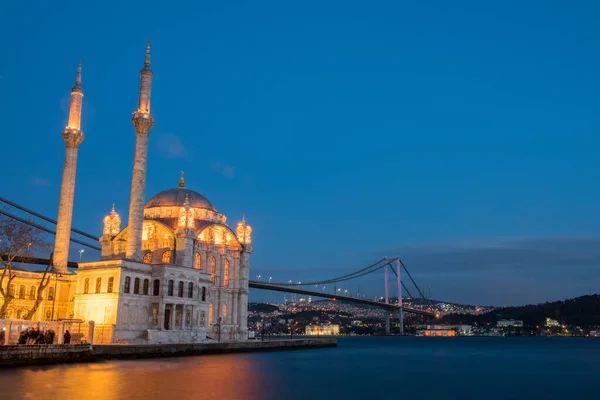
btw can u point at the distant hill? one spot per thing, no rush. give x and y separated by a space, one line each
262 307
581 311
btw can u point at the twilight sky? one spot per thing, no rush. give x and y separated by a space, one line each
462 136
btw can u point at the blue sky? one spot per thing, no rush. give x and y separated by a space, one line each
344 130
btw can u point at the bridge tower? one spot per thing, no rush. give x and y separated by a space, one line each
143 122
397 283
73 136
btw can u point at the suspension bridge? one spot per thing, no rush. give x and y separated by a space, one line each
389 267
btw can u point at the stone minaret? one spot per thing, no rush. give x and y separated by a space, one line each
143 122
73 137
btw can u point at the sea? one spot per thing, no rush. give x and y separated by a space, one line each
359 368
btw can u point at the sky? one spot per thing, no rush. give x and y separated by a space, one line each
462 136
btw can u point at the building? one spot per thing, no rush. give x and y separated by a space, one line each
505 323
444 330
551 322
176 273
326 330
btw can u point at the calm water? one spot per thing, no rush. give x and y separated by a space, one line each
360 368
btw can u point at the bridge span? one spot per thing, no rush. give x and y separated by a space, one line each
347 299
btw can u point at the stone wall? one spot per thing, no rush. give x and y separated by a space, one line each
11 356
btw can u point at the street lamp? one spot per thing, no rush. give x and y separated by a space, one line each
258 277
80 254
270 279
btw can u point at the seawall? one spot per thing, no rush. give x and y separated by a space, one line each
23 355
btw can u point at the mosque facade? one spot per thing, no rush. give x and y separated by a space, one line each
177 273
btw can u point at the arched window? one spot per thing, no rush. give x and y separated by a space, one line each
226 274
146 286
147 258
98 284
166 256
156 287
210 314
224 312
203 293
213 269
127 285
86 285
111 282
136 286
180 289
51 293
32 294
22 291
198 261
170 288
191 290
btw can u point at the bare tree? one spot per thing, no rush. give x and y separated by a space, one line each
18 241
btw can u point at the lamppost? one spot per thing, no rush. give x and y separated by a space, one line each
80 254
258 277
270 279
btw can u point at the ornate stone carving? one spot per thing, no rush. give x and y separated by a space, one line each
112 223
244 232
143 122
72 137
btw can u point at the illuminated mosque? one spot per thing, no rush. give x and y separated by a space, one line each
177 273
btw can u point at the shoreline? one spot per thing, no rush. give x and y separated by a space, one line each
33 355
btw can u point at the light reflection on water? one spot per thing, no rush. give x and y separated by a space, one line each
481 368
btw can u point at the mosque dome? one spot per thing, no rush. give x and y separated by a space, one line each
176 198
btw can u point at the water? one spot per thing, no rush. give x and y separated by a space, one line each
359 368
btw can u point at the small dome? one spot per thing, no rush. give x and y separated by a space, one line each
176 197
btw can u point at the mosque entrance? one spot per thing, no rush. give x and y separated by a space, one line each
167 318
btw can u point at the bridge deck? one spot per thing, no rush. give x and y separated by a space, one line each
348 299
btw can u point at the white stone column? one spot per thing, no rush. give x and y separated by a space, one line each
7 327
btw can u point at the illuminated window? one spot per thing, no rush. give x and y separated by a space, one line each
146 286
166 256
198 262
98 284
111 282
32 293
170 288
86 285
136 286
213 269
156 287
147 258
127 285
22 292
180 289
203 293
51 293
226 274
224 312
191 290
210 314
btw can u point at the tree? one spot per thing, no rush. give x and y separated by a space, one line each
18 241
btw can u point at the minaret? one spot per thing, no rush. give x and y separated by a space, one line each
143 122
73 137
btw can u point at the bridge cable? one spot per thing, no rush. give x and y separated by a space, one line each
413 281
402 282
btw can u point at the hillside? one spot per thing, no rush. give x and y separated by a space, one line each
581 311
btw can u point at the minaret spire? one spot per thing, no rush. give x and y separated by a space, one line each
143 122
73 136
181 181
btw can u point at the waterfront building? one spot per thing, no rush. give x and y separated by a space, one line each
505 323
177 273
551 322
444 330
327 330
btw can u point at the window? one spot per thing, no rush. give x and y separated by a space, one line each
188 318
155 314
203 293
111 282
98 284
170 288
136 286
210 314
146 285
51 293
156 287
198 262
226 274
191 290
202 318
86 285
213 269
22 291
32 294
127 285
166 256
147 258
48 315
224 312
180 289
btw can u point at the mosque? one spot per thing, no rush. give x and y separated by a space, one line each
176 274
